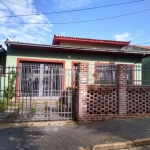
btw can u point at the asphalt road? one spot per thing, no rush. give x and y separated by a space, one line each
73 136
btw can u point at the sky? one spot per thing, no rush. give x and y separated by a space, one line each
134 28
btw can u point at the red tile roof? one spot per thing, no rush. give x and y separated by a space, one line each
57 39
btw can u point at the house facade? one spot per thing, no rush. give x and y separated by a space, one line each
101 69
66 52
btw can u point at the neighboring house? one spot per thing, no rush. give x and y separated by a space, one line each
65 53
2 65
2 59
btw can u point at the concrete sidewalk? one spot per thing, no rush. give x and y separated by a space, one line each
147 147
124 145
71 136
37 124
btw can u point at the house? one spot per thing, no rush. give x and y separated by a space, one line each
66 52
47 75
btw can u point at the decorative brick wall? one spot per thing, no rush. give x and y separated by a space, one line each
102 99
99 102
138 100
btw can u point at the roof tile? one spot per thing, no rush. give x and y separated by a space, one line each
89 39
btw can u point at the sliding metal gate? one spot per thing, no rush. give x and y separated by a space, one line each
40 93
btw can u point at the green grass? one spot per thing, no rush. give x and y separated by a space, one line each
32 111
4 104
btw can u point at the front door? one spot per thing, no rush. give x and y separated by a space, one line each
41 79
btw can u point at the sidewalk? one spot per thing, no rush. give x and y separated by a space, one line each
138 148
36 124
71 137
135 144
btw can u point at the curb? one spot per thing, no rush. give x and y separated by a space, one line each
36 124
118 145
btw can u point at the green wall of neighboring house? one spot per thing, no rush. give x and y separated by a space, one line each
146 73
146 61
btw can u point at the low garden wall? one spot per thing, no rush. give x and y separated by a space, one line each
96 102
138 99
103 102
102 99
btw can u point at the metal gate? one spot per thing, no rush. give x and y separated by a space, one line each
40 92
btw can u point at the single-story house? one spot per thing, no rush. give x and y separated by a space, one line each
64 53
46 75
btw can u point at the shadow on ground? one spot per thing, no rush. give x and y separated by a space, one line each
73 136
19 138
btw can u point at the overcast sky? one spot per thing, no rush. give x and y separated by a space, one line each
134 28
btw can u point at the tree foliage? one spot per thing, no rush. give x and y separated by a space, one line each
9 92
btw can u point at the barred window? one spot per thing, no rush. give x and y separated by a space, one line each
106 74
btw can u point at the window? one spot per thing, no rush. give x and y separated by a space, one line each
106 74
41 79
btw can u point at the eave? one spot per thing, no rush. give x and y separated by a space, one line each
73 49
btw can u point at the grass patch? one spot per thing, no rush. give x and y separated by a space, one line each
16 106
3 105
32 110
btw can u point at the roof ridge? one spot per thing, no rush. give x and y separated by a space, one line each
90 39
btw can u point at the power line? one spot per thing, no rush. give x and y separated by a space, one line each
144 43
56 12
84 21
138 44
